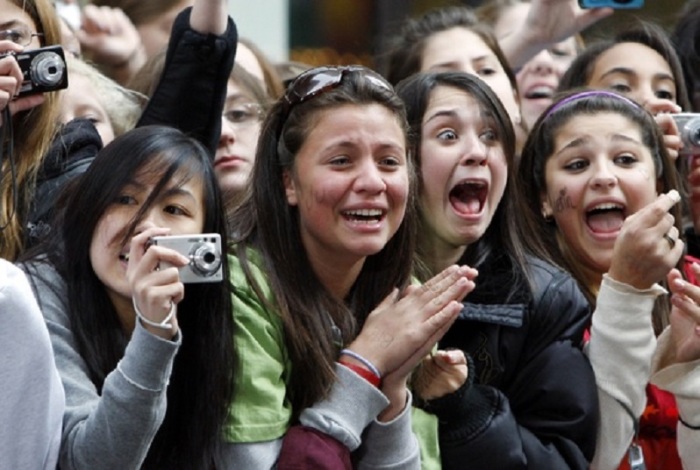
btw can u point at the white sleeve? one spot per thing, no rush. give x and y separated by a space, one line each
683 380
620 350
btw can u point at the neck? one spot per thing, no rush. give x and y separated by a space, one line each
438 255
338 276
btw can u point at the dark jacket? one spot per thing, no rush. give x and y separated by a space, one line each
191 93
189 96
531 399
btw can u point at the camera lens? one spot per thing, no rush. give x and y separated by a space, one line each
47 69
206 260
691 133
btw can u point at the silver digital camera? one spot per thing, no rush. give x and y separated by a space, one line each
43 70
203 251
689 128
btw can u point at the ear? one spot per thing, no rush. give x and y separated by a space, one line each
547 211
289 188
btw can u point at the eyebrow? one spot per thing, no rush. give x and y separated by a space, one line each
239 97
483 115
12 24
628 71
581 141
174 191
441 113
456 63
178 191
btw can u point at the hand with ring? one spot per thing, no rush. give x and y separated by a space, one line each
648 246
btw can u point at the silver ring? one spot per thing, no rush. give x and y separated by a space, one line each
670 240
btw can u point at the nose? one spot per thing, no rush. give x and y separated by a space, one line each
603 178
149 220
227 135
369 178
542 63
476 152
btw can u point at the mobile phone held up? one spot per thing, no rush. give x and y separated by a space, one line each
617 4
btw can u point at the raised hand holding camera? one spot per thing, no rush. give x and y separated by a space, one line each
43 70
203 252
155 288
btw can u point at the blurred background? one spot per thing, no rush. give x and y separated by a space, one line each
356 31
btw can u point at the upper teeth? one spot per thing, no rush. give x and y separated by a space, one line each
607 206
542 90
365 212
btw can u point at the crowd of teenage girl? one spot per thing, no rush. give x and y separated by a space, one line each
484 253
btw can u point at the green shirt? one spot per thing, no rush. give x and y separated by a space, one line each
261 410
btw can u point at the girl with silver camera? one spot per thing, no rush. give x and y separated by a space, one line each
146 361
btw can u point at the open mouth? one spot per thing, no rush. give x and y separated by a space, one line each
606 218
540 92
468 197
365 216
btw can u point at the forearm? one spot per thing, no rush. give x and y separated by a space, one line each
350 407
622 333
391 444
191 92
115 428
683 380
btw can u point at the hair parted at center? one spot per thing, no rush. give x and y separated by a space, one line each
267 223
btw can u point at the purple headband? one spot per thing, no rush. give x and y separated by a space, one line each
610 94
586 94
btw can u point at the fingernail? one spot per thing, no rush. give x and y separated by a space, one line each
674 195
679 283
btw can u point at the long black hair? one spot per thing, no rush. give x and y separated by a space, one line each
201 384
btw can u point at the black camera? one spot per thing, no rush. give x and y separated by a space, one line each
689 129
621 4
44 70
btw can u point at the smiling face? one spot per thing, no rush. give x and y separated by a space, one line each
463 168
539 77
240 128
350 183
600 173
446 51
638 72
179 207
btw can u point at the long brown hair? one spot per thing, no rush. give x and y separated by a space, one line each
33 131
265 222
548 242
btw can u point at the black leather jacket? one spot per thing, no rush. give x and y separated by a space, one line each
530 401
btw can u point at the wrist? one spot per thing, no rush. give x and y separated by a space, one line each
361 366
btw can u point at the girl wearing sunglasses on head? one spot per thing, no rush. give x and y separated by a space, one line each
328 324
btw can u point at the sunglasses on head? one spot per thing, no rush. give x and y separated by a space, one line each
319 80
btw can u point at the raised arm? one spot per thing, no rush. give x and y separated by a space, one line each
548 22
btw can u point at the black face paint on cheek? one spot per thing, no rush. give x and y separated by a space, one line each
563 202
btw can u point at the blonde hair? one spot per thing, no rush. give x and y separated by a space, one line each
123 106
